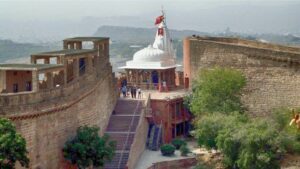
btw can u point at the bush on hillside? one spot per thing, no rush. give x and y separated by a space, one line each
167 149
178 143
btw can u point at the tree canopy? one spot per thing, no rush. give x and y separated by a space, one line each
12 146
217 90
245 142
88 148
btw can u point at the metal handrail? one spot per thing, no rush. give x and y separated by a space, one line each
127 137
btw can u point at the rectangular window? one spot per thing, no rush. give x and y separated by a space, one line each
15 88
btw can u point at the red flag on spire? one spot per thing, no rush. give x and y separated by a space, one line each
159 20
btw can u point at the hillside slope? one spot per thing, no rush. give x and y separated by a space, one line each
10 50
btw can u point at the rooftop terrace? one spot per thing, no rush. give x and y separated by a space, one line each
65 52
86 39
27 67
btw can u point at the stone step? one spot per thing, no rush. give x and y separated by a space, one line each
122 123
116 163
121 140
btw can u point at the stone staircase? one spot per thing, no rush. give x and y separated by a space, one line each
121 128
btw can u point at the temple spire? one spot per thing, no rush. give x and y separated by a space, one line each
162 39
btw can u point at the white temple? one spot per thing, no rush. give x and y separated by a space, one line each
154 66
160 55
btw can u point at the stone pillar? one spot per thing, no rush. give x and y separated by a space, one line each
49 77
65 45
168 77
32 60
35 81
127 75
149 78
2 80
89 64
79 45
65 73
106 50
72 45
159 77
75 68
134 77
58 60
187 62
47 60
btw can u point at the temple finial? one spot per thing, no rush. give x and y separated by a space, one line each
163 13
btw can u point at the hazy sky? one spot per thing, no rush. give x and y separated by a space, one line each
19 17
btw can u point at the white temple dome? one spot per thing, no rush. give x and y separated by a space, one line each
149 54
160 55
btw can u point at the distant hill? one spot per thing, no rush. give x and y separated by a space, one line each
139 35
10 50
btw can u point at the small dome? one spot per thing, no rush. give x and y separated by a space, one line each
149 54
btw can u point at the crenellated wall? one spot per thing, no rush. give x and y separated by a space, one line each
272 71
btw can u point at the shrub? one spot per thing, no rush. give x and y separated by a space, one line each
12 146
184 150
252 145
167 149
87 148
178 143
208 127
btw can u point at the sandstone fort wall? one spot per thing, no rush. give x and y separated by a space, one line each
272 71
47 126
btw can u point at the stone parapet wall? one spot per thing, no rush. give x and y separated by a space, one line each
250 43
175 164
19 102
272 75
46 126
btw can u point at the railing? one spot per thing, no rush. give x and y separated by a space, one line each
139 142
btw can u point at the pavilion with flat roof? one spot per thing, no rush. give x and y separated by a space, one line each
16 78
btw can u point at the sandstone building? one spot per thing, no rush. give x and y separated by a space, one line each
272 71
55 94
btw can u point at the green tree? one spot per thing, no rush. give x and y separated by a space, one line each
217 90
12 146
87 148
209 126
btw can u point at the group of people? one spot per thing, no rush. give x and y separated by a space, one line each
132 90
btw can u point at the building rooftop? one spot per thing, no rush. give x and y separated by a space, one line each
65 52
27 67
86 39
